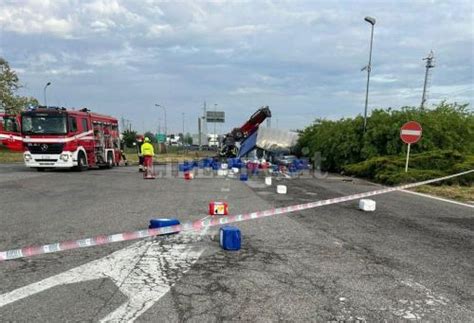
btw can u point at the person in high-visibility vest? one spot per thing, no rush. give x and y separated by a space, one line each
138 143
148 152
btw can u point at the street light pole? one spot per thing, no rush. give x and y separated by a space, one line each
215 109
371 21
183 126
44 93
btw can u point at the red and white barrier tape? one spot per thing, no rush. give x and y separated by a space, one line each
199 224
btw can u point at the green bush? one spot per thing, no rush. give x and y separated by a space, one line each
447 127
391 169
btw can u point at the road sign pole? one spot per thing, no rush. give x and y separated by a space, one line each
408 157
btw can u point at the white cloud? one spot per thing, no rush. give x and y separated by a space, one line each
27 21
104 8
243 30
249 90
156 31
384 78
103 25
283 53
69 71
183 50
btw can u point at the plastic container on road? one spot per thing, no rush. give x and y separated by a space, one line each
367 205
281 189
218 208
230 238
268 181
183 167
222 172
188 176
161 223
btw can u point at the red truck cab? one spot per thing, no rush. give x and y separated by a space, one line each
61 138
10 136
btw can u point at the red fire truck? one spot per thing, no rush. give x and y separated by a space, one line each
10 136
60 138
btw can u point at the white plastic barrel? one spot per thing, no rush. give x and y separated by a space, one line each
367 205
281 189
268 181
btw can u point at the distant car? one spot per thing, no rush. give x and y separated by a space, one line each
285 160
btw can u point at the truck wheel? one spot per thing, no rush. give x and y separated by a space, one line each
81 162
239 135
110 161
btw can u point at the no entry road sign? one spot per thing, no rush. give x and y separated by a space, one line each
410 132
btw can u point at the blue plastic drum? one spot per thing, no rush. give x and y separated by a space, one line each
230 238
161 223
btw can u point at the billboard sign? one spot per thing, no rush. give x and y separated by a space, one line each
215 116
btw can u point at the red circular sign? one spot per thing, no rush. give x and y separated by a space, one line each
410 132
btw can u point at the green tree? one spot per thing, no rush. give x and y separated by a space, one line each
9 85
129 137
188 139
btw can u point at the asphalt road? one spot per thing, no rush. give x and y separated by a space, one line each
410 259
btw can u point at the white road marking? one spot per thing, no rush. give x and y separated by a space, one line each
438 198
144 272
417 308
411 132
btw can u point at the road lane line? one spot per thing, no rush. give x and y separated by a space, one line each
438 198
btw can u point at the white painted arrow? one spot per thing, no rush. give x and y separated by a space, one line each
144 272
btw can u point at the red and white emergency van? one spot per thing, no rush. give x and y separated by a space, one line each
10 136
60 138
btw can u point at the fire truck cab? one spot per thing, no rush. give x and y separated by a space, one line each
60 138
10 136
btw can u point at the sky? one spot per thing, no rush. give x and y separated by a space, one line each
301 58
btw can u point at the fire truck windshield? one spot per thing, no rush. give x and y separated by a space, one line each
43 124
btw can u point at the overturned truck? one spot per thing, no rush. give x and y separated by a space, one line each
241 141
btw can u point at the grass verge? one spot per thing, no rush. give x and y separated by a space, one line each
7 156
452 192
390 170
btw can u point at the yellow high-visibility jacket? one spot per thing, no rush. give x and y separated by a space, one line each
147 149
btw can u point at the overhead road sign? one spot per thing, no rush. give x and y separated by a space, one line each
215 116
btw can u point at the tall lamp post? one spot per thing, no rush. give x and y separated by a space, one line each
166 126
183 126
215 109
371 21
44 93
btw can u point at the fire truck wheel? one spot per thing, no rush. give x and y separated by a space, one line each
110 161
81 162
